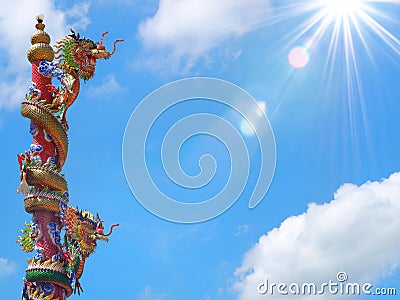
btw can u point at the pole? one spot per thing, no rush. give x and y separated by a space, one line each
61 237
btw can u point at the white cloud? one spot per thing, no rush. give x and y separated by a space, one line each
190 28
149 294
108 86
357 232
242 230
119 2
13 88
17 21
78 14
6 266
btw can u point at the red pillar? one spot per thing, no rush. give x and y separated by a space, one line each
46 277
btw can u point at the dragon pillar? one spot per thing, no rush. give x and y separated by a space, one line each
61 237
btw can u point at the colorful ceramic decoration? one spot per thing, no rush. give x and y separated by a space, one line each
60 236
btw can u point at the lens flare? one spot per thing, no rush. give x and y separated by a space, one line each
246 128
262 108
299 57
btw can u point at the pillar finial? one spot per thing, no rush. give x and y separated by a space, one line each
40 40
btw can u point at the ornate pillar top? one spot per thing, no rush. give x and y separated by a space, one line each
40 40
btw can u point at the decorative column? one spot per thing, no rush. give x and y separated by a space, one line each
61 237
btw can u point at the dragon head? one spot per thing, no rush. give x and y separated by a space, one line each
80 54
83 230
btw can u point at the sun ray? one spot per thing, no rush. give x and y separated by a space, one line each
343 35
389 39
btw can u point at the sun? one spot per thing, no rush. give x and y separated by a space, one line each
340 39
342 8
348 27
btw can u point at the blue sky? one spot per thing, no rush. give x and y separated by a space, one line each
334 201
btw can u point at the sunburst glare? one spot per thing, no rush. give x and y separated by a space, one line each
342 8
340 23
343 37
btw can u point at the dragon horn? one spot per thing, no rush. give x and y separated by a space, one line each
111 229
102 37
115 46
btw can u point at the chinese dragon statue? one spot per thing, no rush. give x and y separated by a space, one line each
62 237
